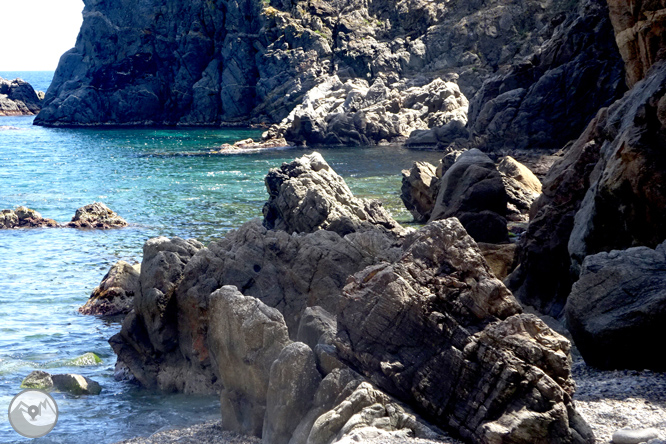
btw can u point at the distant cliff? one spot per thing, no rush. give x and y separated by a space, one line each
214 62
18 98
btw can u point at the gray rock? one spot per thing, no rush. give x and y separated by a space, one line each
626 436
294 380
76 384
471 328
327 358
315 323
521 185
115 294
472 190
417 191
307 195
245 337
619 301
18 98
500 258
37 380
96 215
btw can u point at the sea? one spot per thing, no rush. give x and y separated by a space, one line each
164 182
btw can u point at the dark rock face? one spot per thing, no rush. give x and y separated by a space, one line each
307 195
472 190
438 307
607 193
543 279
546 100
619 300
18 98
115 294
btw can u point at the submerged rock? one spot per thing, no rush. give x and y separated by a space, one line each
115 294
76 384
96 215
307 195
85 359
18 98
618 302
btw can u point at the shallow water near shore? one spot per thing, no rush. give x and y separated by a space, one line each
151 178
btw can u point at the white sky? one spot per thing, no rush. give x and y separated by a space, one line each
35 33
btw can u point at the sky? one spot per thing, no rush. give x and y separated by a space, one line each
35 33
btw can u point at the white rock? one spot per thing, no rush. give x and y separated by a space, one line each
626 436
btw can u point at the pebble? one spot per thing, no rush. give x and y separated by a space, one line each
627 436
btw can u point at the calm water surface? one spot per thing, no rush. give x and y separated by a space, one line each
164 183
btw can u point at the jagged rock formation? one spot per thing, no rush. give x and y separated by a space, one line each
115 294
521 185
23 217
96 215
355 113
223 317
440 307
307 195
472 190
619 301
18 98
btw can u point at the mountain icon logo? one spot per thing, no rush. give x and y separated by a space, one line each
33 413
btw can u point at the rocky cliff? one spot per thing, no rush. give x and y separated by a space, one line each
360 71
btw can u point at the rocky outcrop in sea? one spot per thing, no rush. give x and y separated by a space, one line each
18 98
95 215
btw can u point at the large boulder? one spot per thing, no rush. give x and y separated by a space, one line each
419 190
508 376
115 294
472 190
618 303
18 98
96 215
307 195
245 338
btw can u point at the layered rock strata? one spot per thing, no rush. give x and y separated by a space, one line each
18 98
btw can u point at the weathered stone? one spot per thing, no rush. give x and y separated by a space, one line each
84 360
115 294
8 219
18 98
617 303
294 380
23 217
316 325
96 215
508 375
76 384
521 185
472 190
307 195
626 436
417 192
500 258
245 338
37 380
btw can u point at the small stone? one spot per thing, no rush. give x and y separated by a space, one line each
37 380
626 436
76 384
85 360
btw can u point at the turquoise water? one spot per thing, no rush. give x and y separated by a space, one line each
164 183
